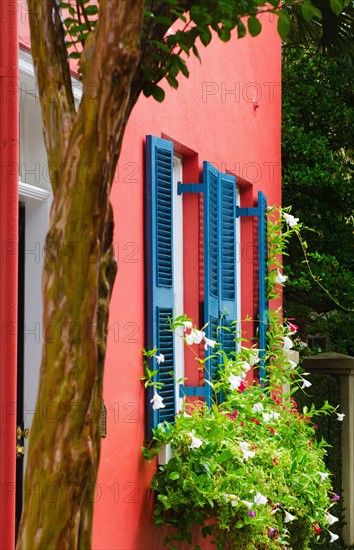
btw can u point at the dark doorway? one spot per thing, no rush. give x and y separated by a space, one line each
20 362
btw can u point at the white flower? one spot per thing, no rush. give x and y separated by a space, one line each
260 499
187 324
254 359
234 381
157 402
208 342
340 416
280 279
323 475
290 220
246 366
287 343
248 504
246 453
333 536
305 383
160 358
288 517
331 519
233 499
257 408
270 416
195 443
195 337
292 364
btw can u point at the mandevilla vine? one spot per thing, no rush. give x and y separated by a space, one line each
247 472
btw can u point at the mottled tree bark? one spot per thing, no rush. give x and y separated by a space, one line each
79 267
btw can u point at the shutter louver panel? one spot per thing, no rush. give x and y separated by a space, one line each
213 363
164 172
159 264
220 306
228 238
228 336
165 346
213 234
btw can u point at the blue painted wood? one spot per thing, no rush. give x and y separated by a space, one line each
159 260
220 296
190 188
261 213
254 211
262 282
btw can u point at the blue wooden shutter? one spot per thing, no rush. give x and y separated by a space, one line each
159 261
220 285
262 277
260 211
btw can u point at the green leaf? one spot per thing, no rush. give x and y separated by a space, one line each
91 10
241 29
152 89
173 82
225 455
205 36
196 53
224 34
336 6
308 11
284 25
254 25
174 475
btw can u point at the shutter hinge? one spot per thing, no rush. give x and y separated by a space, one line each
190 188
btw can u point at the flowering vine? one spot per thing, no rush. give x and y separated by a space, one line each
251 461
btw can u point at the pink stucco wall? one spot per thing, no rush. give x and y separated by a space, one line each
213 114
225 129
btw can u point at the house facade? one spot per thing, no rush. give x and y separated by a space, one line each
187 200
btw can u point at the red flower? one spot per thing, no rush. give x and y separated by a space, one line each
315 426
316 528
271 429
275 462
232 415
292 327
242 386
255 421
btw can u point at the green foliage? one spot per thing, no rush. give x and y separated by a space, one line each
175 29
249 471
80 19
327 388
314 25
317 181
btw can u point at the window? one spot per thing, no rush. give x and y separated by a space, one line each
164 261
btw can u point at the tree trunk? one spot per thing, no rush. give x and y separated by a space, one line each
79 271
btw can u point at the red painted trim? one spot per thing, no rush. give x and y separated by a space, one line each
9 137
